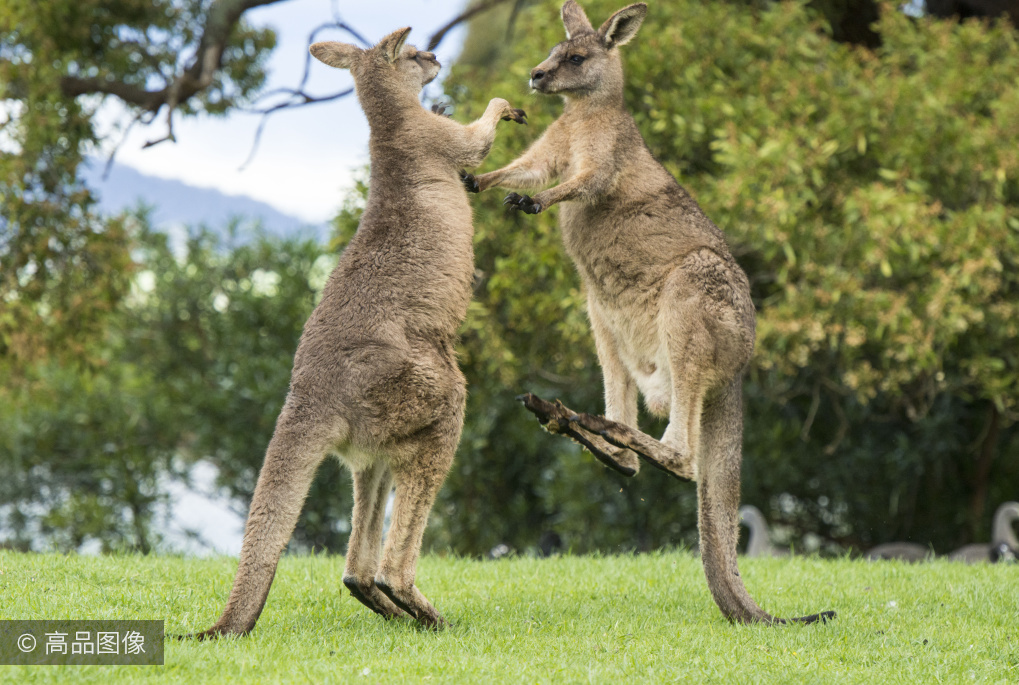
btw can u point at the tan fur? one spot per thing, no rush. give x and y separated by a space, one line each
375 377
670 308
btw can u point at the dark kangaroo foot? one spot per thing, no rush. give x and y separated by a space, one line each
370 595
470 182
517 115
657 454
522 202
442 109
414 603
554 417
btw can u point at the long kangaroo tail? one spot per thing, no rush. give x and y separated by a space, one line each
718 461
295 452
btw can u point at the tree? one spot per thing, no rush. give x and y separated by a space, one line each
62 267
194 365
873 198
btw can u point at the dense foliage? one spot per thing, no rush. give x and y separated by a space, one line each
63 269
193 366
873 197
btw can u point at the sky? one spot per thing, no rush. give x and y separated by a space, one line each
308 155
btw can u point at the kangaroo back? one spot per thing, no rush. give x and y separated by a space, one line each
375 378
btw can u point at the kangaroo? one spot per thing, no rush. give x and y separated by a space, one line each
375 376
670 308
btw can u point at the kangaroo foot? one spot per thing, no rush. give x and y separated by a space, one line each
622 436
522 202
414 603
368 594
554 417
442 109
470 182
517 115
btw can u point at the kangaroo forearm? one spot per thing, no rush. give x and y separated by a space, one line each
515 178
475 139
583 186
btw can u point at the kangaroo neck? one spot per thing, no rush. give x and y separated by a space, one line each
594 105
386 109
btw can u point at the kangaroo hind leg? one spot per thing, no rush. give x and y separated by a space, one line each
418 479
298 446
371 490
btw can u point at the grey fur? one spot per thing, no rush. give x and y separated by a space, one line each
375 377
670 308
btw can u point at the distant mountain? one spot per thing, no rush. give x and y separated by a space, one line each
176 203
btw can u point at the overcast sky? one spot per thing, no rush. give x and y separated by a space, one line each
307 155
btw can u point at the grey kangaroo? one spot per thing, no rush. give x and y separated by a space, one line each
375 378
670 308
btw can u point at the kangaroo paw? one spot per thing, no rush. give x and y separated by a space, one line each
522 202
470 182
517 115
442 109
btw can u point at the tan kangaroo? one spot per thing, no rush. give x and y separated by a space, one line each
670 308
375 377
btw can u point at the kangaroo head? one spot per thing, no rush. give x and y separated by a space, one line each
389 63
587 62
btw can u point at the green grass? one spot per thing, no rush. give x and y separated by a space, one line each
572 619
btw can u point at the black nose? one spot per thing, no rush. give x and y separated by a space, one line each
537 74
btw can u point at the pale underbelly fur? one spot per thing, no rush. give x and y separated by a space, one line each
644 354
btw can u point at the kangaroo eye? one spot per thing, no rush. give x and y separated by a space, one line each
578 59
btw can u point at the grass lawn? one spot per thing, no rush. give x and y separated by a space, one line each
618 619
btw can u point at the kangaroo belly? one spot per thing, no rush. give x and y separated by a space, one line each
636 336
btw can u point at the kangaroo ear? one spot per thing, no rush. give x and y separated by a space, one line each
574 19
339 55
392 45
622 26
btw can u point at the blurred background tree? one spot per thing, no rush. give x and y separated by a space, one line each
871 193
873 198
63 269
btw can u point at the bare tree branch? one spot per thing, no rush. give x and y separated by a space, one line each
220 20
113 153
467 14
342 25
296 97
222 17
305 100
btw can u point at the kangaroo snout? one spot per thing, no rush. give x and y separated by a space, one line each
537 74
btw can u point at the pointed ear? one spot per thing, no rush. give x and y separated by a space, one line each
622 26
339 55
392 45
574 19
